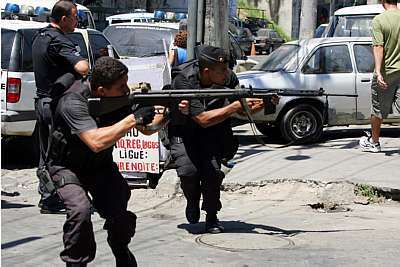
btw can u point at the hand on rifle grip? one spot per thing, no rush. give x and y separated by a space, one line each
184 107
143 115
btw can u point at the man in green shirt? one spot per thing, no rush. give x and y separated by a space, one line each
386 81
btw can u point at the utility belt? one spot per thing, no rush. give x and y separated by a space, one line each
51 185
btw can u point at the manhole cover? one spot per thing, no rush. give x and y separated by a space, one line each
244 241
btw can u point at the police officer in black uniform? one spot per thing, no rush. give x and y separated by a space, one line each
80 161
55 58
204 139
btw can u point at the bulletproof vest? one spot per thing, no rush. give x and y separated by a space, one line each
189 71
68 150
46 69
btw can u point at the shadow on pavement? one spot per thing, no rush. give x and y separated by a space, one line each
18 153
243 227
19 242
7 205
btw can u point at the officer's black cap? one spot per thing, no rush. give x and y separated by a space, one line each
212 54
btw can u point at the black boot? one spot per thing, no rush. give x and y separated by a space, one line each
213 226
52 205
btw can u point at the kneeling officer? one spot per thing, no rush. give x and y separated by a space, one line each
80 161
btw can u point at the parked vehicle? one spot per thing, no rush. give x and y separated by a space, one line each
353 21
267 40
319 32
143 47
33 9
243 36
131 17
337 65
243 63
17 78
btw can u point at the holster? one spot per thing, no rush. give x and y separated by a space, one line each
45 178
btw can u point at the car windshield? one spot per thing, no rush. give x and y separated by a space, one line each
133 41
354 26
7 40
285 58
262 33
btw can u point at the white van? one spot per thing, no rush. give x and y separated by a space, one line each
143 17
355 21
35 7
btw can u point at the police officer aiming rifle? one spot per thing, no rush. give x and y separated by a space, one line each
54 55
80 162
204 140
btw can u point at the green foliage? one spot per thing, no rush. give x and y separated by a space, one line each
368 191
280 31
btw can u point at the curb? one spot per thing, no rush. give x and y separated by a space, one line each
386 192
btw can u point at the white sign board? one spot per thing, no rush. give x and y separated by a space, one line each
136 152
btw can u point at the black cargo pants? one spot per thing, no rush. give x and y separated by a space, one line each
43 122
110 194
200 174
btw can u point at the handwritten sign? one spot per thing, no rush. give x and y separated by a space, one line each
137 153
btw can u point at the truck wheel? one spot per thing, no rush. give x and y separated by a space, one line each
302 124
269 130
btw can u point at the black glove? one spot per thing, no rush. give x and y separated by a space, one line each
143 115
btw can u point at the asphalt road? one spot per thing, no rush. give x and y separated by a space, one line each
267 224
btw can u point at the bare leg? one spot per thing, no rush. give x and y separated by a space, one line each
376 128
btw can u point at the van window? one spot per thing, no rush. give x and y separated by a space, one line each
98 44
27 38
354 26
7 41
78 40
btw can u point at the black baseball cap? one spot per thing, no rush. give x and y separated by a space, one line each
211 54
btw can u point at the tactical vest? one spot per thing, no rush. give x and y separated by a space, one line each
69 151
225 144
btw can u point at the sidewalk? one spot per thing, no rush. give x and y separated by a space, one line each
337 159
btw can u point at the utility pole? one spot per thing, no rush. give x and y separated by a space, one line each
209 27
192 28
296 11
308 18
216 24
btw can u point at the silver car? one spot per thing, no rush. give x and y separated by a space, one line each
337 65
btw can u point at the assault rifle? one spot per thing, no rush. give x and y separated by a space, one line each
103 105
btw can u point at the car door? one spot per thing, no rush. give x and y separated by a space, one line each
99 46
330 67
364 60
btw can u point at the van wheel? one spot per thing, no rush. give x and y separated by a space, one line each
269 130
302 124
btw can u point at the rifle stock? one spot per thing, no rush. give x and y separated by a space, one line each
100 106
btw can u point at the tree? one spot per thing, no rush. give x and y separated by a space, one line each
274 6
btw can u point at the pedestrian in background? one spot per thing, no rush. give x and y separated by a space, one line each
178 54
53 55
386 81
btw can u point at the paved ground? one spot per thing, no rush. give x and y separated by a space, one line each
267 223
